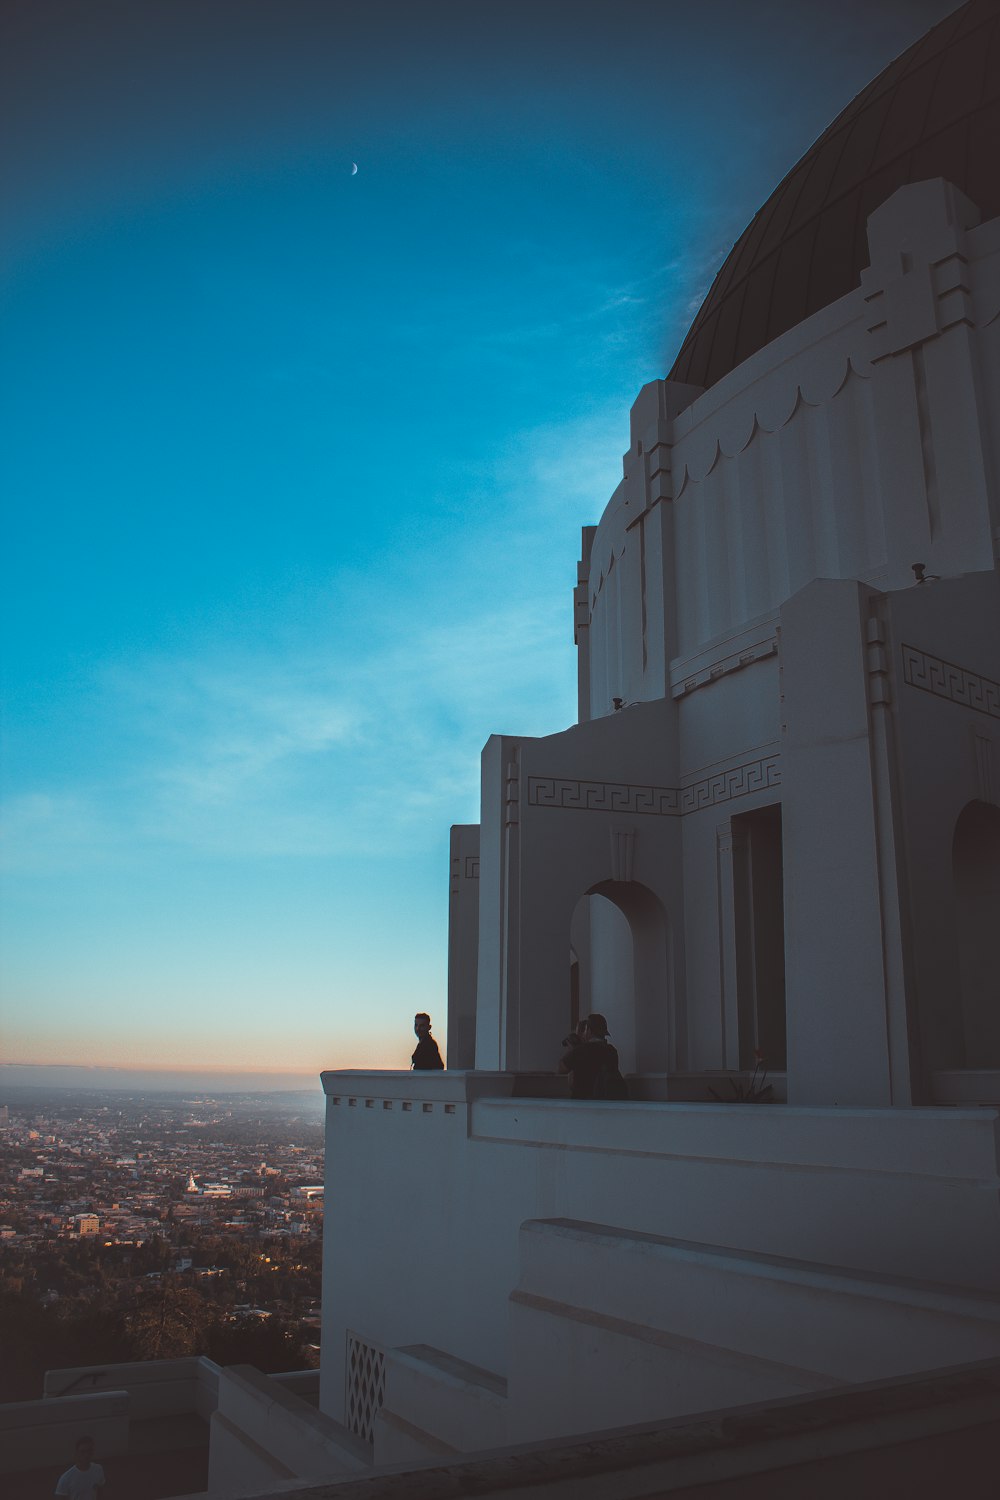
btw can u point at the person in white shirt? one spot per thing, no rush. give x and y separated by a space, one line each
85 1480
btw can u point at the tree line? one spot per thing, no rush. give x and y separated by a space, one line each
117 1303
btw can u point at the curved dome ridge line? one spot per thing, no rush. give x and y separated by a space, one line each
918 135
915 114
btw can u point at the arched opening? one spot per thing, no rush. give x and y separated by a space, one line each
620 966
975 859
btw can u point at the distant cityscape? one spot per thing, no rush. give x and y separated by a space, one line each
148 1225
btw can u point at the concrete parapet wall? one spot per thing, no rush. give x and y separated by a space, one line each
922 1437
450 1406
207 1388
687 1327
238 1465
909 1192
905 1194
452 1086
33 1433
156 1387
262 1432
302 1383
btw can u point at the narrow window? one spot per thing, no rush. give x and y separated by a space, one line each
760 935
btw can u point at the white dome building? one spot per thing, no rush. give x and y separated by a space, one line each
772 839
775 830
793 807
773 834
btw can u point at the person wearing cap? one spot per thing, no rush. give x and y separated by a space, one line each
592 1062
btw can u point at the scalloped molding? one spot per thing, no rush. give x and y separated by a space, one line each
772 411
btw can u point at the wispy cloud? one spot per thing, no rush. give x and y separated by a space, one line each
307 756
562 474
42 832
352 738
232 725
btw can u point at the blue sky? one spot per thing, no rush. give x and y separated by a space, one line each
295 462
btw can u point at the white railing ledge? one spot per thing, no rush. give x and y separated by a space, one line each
450 1086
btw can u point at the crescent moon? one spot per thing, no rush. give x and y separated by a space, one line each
354 169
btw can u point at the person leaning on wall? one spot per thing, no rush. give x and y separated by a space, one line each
592 1062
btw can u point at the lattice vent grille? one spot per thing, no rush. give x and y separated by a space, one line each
365 1386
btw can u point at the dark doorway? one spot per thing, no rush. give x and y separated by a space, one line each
976 868
759 913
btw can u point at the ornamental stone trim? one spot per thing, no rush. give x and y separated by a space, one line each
735 662
655 801
946 679
602 796
365 1386
737 781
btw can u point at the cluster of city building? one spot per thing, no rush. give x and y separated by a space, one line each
124 1173
773 836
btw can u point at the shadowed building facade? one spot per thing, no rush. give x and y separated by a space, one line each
771 839
773 833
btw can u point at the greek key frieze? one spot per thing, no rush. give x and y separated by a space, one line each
655 801
945 679
738 781
602 796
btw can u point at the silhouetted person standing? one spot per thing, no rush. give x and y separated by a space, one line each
426 1057
85 1480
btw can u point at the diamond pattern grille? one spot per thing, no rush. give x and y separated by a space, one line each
365 1386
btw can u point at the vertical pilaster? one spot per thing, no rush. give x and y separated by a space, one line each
901 1027
497 925
929 401
838 1042
648 503
511 1029
581 623
463 945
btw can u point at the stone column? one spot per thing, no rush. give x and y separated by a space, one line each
838 1043
463 945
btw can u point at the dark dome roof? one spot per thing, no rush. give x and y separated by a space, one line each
934 112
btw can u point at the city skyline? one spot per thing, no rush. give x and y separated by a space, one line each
298 459
15 1078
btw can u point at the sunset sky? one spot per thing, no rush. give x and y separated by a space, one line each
295 461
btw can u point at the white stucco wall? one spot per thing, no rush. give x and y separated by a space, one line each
749 595
726 597
423 1245
859 442
262 1433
